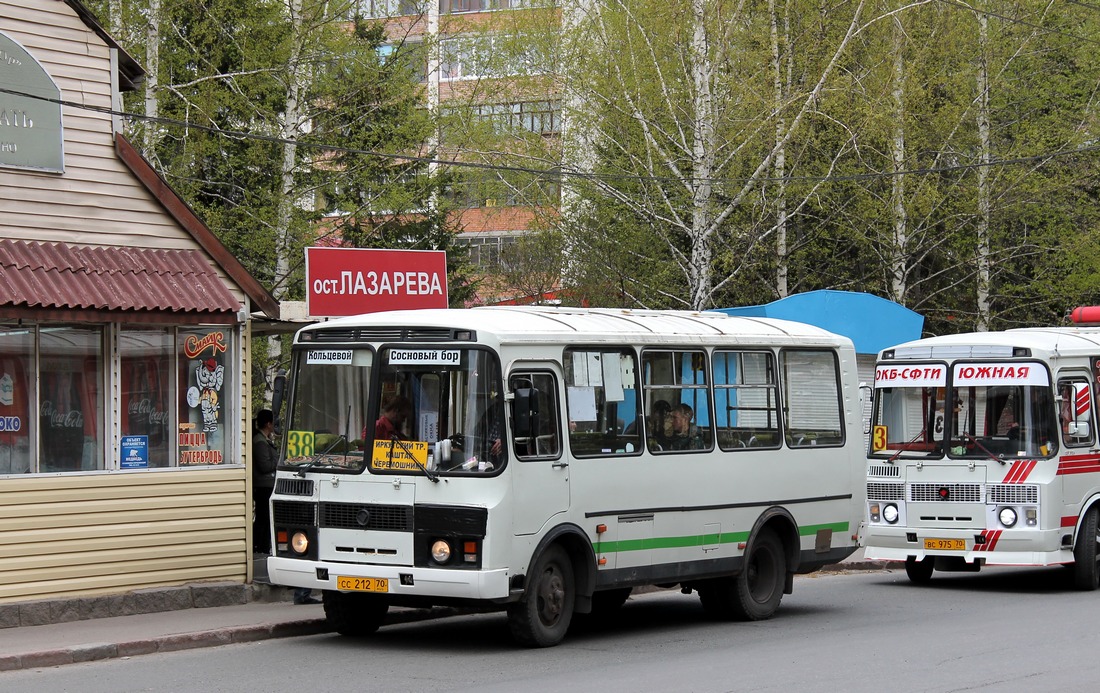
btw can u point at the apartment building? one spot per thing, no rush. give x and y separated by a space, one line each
486 79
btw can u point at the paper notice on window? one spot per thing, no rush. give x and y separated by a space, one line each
612 378
582 404
580 370
595 370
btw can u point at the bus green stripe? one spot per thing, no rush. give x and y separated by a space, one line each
699 539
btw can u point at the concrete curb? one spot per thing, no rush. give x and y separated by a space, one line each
167 643
176 642
862 566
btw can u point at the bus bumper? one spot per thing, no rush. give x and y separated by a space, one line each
985 547
403 580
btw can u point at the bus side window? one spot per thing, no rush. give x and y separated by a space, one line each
812 411
543 439
678 377
746 400
602 397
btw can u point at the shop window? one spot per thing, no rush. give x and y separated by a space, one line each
70 409
175 388
145 358
205 387
16 399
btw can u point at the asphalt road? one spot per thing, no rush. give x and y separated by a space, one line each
1003 629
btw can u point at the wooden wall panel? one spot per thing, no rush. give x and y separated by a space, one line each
72 535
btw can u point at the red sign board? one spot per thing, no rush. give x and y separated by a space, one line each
350 281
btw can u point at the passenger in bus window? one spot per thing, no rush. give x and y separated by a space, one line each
394 414
685 435
658 425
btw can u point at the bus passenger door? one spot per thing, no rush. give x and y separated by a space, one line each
540 469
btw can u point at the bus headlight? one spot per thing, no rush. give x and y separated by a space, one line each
299 543
441 551
890 513
1007 516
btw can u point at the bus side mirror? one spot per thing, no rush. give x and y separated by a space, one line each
525 412
278 394
1078 429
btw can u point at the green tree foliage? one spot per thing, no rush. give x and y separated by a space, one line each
849 225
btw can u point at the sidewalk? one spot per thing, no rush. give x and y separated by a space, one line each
206 617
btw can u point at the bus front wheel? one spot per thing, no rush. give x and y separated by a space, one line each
353 614
542 617
919 572
755 593
1086 570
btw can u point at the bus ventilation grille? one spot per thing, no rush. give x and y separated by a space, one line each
383 334
1013 494
883 470
294 487
291 514
884 492
386 518
955 493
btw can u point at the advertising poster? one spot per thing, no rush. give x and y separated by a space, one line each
202 438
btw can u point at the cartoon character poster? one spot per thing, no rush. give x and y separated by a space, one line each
203 379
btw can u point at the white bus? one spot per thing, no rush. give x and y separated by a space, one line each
548 460
984 452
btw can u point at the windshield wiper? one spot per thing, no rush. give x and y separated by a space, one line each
892 458
340 438
1000 458
404 446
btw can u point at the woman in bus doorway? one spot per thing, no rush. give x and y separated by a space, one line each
685 435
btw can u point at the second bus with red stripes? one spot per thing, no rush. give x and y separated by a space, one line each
984 451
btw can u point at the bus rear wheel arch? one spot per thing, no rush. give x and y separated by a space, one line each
753 594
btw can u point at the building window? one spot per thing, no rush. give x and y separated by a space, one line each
539 117
106 397
471 57
16 399
70 408
488 251
380 9
146 357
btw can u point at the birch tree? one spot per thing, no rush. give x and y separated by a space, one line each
688 128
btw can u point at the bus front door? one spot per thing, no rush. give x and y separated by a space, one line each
540 468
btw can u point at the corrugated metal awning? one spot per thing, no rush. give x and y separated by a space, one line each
57 275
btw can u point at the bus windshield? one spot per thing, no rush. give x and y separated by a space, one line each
998 419
401 410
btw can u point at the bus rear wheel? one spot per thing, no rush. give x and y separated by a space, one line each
353 614
1086 569
542 617
755 593
919 572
